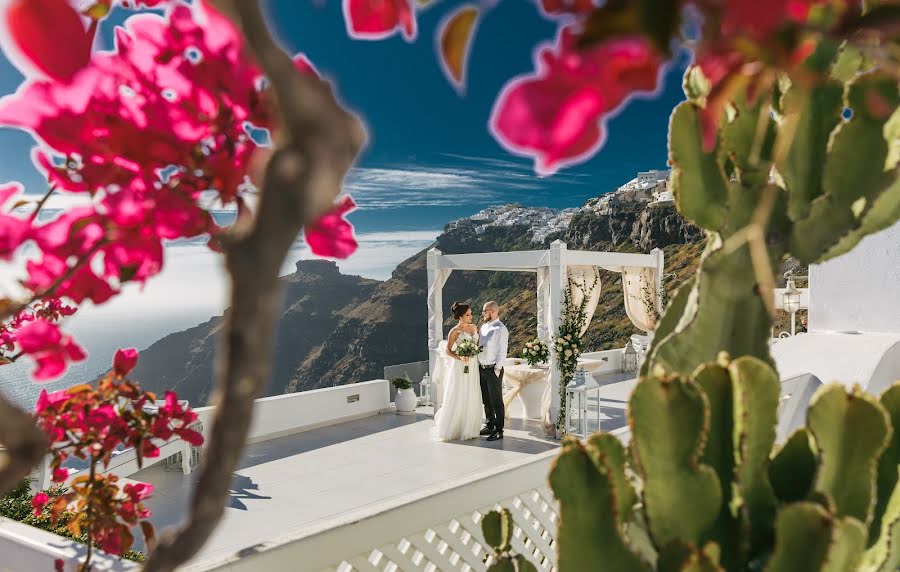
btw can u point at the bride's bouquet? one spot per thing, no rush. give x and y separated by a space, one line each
467 348
535 352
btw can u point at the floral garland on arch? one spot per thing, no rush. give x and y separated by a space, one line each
568 340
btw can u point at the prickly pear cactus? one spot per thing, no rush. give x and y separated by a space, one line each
497 527
805 171
704 488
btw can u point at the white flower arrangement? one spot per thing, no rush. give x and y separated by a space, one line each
467 348
535 352
568 341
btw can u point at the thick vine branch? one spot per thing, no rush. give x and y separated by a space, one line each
316 146
24 443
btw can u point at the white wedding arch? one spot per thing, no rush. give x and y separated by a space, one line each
641 276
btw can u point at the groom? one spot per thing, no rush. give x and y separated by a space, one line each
495 340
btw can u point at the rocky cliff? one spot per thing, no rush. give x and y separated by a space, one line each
340 329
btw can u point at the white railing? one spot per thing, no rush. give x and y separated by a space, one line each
438 531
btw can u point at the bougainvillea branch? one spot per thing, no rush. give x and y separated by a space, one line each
91 424
317 142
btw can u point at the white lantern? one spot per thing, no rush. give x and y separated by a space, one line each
791 302
629 358
425 390
582 405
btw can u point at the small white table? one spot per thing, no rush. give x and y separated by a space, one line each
529 382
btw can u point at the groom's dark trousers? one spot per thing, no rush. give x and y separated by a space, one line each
492 397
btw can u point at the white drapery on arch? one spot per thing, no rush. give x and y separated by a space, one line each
580 278
640 286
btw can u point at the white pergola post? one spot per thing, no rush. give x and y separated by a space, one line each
543 291
557 266
435 307
660 266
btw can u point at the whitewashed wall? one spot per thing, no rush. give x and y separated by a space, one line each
296 412
861 289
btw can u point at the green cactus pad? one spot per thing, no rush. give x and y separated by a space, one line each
792 470
698 180
590 531
497 529
860 195
810 539
606 451
757 392
890 458
810 117
719 453
669 424
851 429
725 312
669 320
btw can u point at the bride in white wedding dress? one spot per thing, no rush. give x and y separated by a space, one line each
461 413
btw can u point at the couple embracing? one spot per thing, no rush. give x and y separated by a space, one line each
472 376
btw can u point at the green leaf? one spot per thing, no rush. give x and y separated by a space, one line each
658 20
851 429
793 468
698 181
590 529
670 423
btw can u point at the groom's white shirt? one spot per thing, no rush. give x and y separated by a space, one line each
495 340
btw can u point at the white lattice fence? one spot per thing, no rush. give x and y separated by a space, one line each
435 531
458 543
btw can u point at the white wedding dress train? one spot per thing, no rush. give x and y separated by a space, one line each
460 415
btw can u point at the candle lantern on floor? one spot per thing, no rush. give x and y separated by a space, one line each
582 405
425 390
630 358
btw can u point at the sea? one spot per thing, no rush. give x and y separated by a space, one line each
191 289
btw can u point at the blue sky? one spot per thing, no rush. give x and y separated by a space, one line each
430 157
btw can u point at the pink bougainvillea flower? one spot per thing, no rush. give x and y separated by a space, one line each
138 491
760 18
377 19
332 235
556 114
13 230
38 503
124 361
567 6
50 401
176 90
51 34
49 348
60 475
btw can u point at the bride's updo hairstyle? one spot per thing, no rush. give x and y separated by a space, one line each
459 309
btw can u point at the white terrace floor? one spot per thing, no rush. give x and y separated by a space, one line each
289 483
